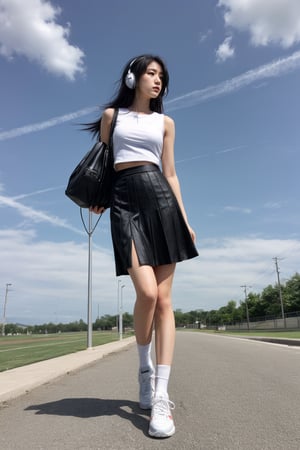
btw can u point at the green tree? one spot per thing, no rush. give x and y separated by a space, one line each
180 319
256 305
271 300
127 320
291 294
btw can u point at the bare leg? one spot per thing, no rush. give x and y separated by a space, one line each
153 288
164 316
161 422
145 284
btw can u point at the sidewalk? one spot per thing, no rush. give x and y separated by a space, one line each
19 381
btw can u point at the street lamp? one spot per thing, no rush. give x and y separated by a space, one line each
121 314
4 309
118 305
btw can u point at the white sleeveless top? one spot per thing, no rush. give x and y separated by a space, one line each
138 137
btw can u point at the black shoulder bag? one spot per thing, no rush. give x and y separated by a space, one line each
91 182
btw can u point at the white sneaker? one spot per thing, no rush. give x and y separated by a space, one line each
146 380
161 422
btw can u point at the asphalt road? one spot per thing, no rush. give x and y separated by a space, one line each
230 393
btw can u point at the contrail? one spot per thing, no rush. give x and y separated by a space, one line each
37 216
205 155
40 191
47 124
231 149
271 70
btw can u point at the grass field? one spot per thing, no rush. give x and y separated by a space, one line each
17 351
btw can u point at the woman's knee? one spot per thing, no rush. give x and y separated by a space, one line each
147 295
145 284
164 304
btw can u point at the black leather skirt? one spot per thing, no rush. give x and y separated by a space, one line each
145 211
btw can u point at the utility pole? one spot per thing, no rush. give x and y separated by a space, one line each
280 292
246 303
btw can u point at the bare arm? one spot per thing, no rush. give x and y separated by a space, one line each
104 133
106 124
168 167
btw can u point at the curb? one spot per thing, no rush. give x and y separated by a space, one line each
291 342
281 341
20 381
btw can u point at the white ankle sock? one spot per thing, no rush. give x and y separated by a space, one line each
145 356
162 376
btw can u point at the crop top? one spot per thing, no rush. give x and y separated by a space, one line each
138 137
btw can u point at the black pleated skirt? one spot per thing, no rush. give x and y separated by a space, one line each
144 210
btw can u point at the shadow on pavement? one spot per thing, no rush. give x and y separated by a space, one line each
93 407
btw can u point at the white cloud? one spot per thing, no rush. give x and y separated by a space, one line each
204 36
267 21
273 205
225 264
225 50
49 279
54 288
30 29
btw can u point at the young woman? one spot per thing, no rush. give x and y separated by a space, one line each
149 225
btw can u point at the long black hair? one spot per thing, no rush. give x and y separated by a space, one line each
125 96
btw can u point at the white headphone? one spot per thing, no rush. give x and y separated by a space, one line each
130 80
130 77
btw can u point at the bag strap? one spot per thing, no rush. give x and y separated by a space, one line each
113 124
112 127
89 232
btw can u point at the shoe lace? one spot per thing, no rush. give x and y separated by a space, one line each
162 407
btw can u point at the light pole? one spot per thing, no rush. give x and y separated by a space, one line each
89 305
4 308
118 305
121 314
89 230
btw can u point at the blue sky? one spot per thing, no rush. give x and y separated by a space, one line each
234 95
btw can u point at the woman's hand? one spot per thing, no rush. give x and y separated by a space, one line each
192 233
97 209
